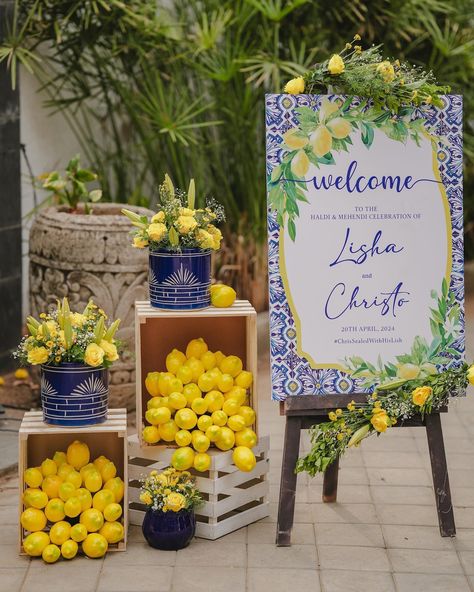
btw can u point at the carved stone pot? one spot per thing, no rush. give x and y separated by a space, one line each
90 256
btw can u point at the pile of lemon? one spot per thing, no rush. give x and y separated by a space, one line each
202 400
69 500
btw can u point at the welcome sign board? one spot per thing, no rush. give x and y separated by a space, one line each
365 242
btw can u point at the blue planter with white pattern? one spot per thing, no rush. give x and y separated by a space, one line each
74 394
180 280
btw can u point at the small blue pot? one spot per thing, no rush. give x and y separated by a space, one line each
74 394
180 281
169 531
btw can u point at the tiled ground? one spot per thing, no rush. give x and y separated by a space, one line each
382 535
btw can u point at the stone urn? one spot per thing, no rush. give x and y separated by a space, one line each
90 256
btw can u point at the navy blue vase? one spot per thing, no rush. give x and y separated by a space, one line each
74 394
169 531
180 281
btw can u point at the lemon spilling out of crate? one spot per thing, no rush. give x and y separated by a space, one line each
69 500
201 401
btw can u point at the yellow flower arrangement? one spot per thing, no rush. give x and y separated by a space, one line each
38 355
380 420
170 491
157 231
386 71
421 394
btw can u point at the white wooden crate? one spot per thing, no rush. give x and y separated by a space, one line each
233 499
38 440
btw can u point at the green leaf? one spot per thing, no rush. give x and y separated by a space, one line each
85 176
292 229
367 134
191 194
276 174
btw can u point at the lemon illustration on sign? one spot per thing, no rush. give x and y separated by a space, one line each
177 400
321 141
51 485
231 407
206 382
185 374
174 360
185 418
209 360
60 532
219 418
100 462
196 348
248 414
213 433
33 519
196 367
236 423
226 439
152 384
55 510
200 441
215 400
202 461
85 497
339 127
112 512
244 459
191 391
66 490
95 545
199 406
35 498
49 467
112 531
78 532
408 371
92 519
35 542
244 379
164 380
59 458
93 481
108 471
69 549
225 382
246 437
51 553
74 477
182 458
183 438
73 507
237 393
117 487
78 454
151 434
204 422
102 499
223 296
158 415
64 470
231 365
33 477
168 430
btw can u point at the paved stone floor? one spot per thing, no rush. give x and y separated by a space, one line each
382 535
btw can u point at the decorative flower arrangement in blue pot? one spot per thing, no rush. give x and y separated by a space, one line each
74 351
180 238
171 497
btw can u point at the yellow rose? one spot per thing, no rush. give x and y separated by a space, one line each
295 86
175 502
205 239
38 355
216 235
94 355
186 224
386 71
470 374
110 350
421 394
145 498
336 64
186 212
157 232
159 217
77 319
380 420
139 242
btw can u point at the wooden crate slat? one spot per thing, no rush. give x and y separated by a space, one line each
239 520
238 498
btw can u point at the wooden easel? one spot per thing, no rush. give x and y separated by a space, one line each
302 412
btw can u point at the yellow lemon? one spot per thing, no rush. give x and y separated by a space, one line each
49 467
59 458
55 510
151 434
102 499
202 461
244 459
191 391
208 360
199 406
223 297
35 542
85 498
86 468
60 532
33 477
35 498
196 348
78 454
73 507
75 478
408 371
204 422
236 423
213 432
215 373
164 383
238 394
112 512
33 519
64 470
112 531
95 545
93 481
183 438
196 367
176 386
51 553
155 402
174 360
78 532
215 400
185 418
165 402
177 400
117 487
157 416
200 441
92 519
246 437
225 382
69 549
101 461
219 418
206 382
231 407
226 439
185 374
66 490
231 365
219 357
321 141
109 470
244 379
248 414
152 384
182 458
168 430
339 127
51 485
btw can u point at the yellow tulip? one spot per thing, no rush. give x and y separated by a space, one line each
295 86
294 140
321 141
300 164
339 127
336 65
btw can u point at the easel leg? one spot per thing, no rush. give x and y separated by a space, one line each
286 504
439 470
330 482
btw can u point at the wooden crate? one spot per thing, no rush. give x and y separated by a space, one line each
38 441
232 330
233 499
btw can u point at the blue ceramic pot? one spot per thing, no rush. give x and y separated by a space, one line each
180 281
74 394
169 531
